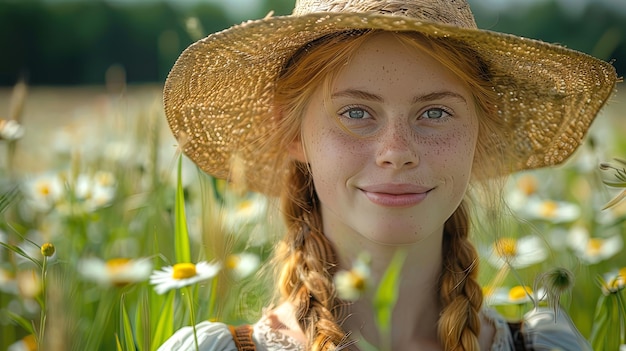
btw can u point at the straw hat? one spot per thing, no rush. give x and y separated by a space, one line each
218 96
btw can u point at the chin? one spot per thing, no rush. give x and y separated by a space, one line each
394 238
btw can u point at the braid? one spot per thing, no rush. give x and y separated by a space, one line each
461 295
308 262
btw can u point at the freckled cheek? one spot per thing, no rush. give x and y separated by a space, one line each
335 145
334 157
464 150
453 151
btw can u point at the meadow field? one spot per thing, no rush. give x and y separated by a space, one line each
111 241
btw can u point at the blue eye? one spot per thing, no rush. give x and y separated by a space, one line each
355 113
435 113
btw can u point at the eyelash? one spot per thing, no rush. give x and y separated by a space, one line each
445 111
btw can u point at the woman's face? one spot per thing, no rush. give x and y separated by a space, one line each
391 152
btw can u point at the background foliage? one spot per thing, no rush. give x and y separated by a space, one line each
76 42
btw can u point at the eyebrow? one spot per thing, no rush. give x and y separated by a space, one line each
360 94
439 95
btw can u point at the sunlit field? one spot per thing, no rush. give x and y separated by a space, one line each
111 241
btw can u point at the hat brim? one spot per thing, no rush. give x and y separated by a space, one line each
218 96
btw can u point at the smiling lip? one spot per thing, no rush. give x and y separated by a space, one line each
395 195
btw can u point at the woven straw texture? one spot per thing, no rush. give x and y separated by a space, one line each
218 96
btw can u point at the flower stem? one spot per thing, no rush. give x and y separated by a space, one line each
192 316
42 314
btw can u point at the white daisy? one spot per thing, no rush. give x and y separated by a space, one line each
28 343
525 186
45 191
518 253
614 281
516 295
552 211
115 272
593 250
182 274
242 264
104 179
250 210
95 191
351 284
10 130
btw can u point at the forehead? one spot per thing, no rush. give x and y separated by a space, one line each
384 62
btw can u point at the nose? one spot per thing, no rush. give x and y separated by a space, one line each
397 147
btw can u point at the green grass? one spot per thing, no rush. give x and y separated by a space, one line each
168 212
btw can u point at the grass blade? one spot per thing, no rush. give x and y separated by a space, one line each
181 232
142 323
387 296
20 252
600 324
129 342
23 322
165 327
8 197
117 342
617 199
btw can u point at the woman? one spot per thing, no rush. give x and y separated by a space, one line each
372 120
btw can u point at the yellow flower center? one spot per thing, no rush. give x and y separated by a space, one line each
184 270
617 283
506 247
117 265
519 292
594 246
245 207
30 342
622 273
527 184
614 284
44 189
232 261
487 290
358 281
105 178
548 209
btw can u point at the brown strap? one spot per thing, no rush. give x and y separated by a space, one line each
518 336
242 335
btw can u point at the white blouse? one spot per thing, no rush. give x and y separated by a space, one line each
542 330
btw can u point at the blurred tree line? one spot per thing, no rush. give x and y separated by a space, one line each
81 42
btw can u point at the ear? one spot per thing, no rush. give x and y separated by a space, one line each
296 150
